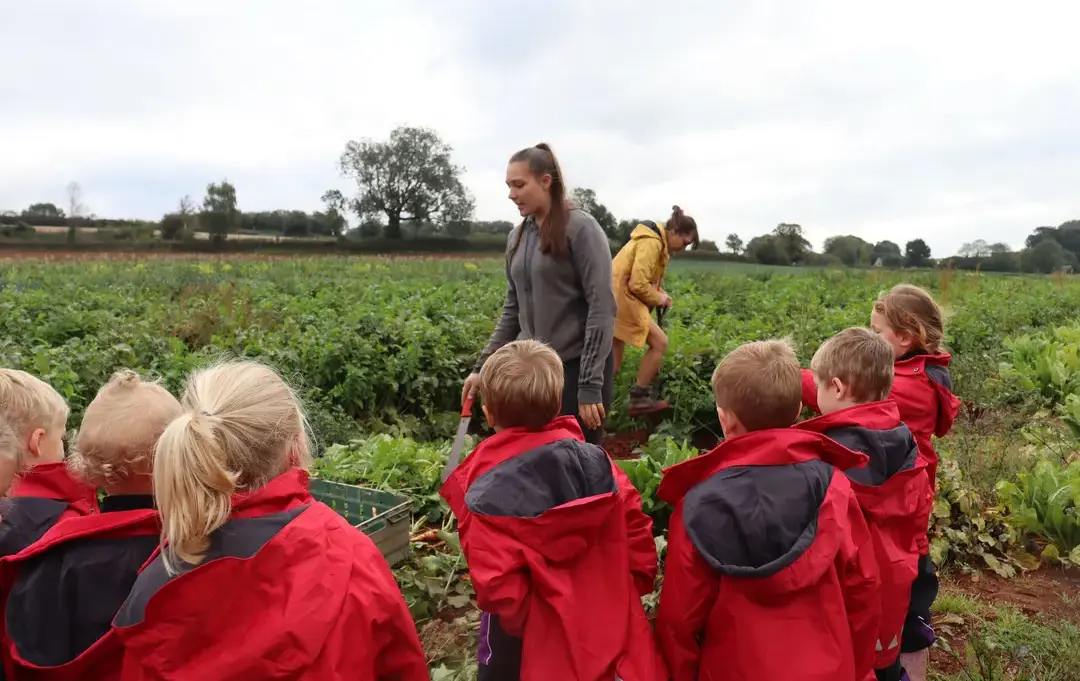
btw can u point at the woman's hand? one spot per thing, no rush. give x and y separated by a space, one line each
592 415
472 384
665 300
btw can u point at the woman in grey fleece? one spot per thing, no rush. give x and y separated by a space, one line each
559 287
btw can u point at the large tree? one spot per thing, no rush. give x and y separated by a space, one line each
408 178
43 210
585 199
734 243
335 212
219 210
75 208
851 250
916 253
790 238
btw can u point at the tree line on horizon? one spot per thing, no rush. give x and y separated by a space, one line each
408 186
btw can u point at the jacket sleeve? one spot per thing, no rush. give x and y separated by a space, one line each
809 391
862 596
500 575
591 253
508 326
688 594
645 270
948 408
398 653
643 562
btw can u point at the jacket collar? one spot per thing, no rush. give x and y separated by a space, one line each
285 492
771 447
509 443
881 415
52 481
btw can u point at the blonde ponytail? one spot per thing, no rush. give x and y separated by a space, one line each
242 426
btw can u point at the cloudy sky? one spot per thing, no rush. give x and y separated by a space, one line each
950 121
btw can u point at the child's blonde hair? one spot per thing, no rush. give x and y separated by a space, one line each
861 359
761 384
521 385
912 310
120 429
9 456
28 403
241 427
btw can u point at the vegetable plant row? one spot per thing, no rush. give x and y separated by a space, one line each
383 345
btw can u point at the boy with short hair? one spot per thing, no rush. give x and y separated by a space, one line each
44 492
770 571
853 373
558 547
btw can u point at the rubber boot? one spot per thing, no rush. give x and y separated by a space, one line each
642 402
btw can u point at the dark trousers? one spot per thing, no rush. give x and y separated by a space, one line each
918 634
498 653
894 672
570 398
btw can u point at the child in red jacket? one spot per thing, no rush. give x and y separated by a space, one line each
558 547
59 595
770 571
256 579
854 372
43 492
913 324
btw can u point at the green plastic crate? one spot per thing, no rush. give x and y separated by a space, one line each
386 517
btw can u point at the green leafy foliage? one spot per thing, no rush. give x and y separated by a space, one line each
1044 369
965 530
1046 502
646 471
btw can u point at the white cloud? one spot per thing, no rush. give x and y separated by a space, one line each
946 121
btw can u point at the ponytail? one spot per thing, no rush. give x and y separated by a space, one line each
542 161
242 426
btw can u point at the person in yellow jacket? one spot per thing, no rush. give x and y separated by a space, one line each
638 272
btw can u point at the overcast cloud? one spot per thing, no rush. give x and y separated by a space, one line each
949 121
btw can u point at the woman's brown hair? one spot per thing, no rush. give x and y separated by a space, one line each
541 161
912 310
682 224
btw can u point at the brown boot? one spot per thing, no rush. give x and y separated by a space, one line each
642 402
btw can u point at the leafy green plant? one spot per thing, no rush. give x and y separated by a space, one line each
646 472
964 529
1044 368
1046 502
398 464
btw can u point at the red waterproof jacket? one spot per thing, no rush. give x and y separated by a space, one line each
560 552
41 497
770 571
288 590
896 498
922 389
58 596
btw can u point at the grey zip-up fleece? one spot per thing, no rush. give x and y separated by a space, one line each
568 303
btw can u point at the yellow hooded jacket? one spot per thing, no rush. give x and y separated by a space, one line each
637 271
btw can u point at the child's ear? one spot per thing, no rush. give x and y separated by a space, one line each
33 445
728 421
841 390
487 415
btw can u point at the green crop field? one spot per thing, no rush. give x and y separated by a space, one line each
378 349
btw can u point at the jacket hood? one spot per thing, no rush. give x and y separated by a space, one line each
645 232
761 508
875 430
278 547
557 496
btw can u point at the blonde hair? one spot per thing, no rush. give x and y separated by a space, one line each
28 403
521 385
761 384
120 429
9 457
241 427
912 310
861 359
